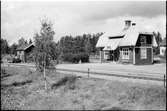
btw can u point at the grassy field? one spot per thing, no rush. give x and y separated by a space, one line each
22 88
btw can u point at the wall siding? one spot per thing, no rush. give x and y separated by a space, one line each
130 60
139 61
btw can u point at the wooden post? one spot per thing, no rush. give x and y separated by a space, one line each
100 56
164 80
113 56
45 71
88 72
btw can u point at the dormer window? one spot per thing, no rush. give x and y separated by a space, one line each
143 40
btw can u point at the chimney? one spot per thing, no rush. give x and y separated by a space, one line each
133 24
127 24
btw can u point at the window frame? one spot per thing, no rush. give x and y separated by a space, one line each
125 53
143 53
143 40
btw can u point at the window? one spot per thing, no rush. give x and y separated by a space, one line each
108 47
143 53
143 39
106 55
125 53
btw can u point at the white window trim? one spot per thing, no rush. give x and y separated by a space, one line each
125 53
106 54
143 53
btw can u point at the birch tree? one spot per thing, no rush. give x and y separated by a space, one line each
44 45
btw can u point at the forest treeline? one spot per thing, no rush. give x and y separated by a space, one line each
68 48
74 49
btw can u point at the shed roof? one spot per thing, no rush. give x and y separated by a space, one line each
24 47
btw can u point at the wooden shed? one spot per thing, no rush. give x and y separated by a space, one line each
24 51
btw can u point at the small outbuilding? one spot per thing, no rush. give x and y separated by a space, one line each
23 52
163 47
131 45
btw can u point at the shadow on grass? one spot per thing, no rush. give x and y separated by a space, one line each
67 80
5 75
22 83
15 84
114 108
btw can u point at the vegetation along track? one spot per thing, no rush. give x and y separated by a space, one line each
115 74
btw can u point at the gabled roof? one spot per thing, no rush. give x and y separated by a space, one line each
103 39
130 37
24 47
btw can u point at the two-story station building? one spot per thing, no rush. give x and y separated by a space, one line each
132 45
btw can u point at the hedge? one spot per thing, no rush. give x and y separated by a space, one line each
75 58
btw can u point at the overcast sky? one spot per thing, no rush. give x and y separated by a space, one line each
22 19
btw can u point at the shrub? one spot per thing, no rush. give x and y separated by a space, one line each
16 60
67 80
75 58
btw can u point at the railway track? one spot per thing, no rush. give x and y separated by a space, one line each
124 74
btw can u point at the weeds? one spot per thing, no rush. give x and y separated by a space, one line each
21 83
20 92
69 81
4 73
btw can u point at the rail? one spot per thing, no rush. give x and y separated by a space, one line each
127 75
113 74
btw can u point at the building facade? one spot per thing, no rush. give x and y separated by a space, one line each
163 48
131 45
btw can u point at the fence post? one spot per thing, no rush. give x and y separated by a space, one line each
88 72
164 80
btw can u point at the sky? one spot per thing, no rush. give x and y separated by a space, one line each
22 18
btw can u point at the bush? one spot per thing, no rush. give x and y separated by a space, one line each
16 60
75 58
67 80
30 58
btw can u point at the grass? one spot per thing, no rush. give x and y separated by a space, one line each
67 80
24 89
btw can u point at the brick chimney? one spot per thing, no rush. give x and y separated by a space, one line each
127 24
